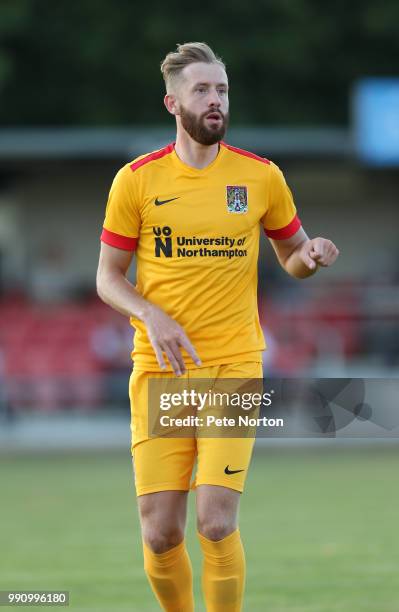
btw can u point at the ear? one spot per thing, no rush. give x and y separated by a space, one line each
171 104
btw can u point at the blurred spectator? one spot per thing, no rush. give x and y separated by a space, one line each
51 278
111 343
7 413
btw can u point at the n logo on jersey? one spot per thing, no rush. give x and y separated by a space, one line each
163 241
237 200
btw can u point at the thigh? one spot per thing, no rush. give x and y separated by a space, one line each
224 461
159 463
163 464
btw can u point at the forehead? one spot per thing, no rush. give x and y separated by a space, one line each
200 72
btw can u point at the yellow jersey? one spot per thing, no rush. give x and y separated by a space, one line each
196 236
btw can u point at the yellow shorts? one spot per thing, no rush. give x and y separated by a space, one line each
165 463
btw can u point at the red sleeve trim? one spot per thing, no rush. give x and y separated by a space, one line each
284 232
245 153
118 241
152 156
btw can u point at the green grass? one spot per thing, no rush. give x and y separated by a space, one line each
319 527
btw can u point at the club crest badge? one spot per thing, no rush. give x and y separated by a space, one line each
237 200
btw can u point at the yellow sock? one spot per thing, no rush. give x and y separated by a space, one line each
223 573
171 577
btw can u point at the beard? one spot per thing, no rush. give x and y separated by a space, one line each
198 130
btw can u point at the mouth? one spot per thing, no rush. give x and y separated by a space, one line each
214 116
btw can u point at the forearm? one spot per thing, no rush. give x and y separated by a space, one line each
116 291
165 334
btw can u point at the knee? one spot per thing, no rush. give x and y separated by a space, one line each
160 541
215 530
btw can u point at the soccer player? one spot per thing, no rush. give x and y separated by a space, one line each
192 212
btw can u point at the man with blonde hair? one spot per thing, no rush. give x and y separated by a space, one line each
192 211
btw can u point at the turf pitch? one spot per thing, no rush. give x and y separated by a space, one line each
320 528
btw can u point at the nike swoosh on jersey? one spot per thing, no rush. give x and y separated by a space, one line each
160 202
227 471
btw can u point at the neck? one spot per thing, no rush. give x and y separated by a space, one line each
192 153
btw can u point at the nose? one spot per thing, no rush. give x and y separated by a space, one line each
214 99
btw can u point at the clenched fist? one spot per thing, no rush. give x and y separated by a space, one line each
318 251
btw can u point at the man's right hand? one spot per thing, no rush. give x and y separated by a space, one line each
167 336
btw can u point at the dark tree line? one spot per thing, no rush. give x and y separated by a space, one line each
96 62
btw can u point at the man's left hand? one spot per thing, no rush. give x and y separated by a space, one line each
318 251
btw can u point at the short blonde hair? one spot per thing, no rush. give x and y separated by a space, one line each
188 53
